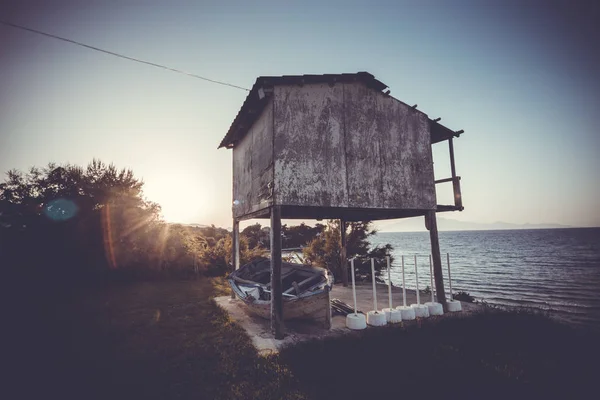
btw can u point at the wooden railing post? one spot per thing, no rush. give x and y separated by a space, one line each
455 179
343 253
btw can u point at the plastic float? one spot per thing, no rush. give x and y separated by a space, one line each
375 317
355 321
421 310
392 315
453 305
434 308
407 313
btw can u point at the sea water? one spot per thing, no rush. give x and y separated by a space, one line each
553 269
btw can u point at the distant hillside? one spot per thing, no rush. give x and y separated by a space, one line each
198 225
417 224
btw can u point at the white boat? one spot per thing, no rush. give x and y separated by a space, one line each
305 289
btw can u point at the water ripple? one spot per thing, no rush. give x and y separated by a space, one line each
554 269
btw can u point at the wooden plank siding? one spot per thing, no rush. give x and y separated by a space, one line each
339 146
253 166
407 162
389 156
363 147
310 165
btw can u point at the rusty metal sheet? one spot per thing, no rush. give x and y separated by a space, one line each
309 145
253 166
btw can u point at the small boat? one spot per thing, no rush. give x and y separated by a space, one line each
305 289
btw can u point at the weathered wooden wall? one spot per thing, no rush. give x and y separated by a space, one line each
349 146
388 152
310 166
253 166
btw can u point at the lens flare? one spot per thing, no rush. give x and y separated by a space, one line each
107 234
60 209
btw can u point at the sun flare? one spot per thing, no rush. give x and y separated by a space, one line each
179 200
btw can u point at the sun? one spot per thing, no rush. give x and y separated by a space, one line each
183 209
180 202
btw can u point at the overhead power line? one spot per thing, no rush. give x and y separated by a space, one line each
122 56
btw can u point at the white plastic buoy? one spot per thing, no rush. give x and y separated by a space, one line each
355 321
421 310
407 313
434 308
374 317
391 314
453 305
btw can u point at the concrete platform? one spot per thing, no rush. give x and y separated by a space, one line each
259 329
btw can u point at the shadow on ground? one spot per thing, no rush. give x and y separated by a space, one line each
167 340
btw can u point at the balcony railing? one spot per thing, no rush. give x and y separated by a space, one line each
455 184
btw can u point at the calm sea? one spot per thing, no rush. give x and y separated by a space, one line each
553 269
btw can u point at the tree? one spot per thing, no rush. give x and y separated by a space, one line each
255 236
80 221
300 235
325 249
291 236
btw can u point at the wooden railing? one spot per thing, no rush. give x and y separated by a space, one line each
455 184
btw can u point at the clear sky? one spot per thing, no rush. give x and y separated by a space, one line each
521 78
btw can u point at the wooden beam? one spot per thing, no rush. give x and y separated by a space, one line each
444 180
452 165
348 214
343 253
457 193
444 208
236 244
235 249
437 258
277 328
455 179
262 213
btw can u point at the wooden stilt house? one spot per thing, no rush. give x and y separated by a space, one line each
333 147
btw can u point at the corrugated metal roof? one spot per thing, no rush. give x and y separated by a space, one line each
257 98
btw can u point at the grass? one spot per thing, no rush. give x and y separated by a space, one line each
489 355
147 340
169 340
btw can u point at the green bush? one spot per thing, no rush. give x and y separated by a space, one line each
325 250
463 296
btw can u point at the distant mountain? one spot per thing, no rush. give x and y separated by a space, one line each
197 225
418 224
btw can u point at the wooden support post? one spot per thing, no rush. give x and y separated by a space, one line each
328 310
431 223
343 253
455 179
235 248
276 288
236 245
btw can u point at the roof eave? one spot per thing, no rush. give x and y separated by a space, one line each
264 84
